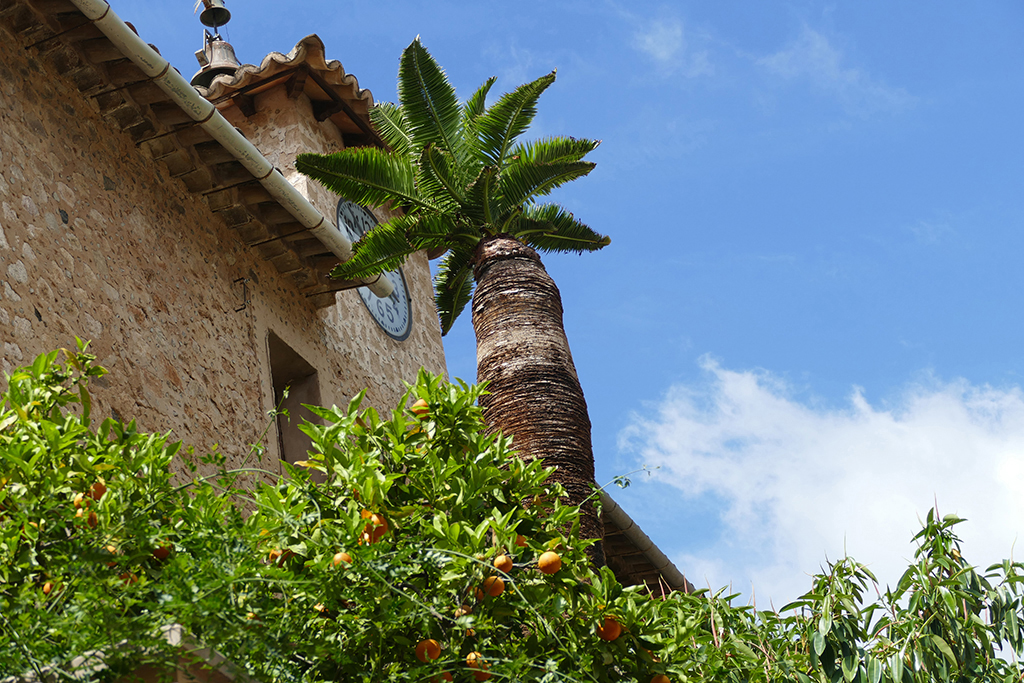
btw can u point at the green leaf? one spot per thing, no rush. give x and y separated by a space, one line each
453 286
850 664
874 670
896 666
818 643
948 599
479 205
385 247
549 227
943 647
500 126
437 181
476 105
554 150
389 120
522 183
743 649
428 101
86 400
365 175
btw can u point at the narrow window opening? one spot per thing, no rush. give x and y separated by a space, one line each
291 371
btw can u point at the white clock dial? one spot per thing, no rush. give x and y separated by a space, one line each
392 313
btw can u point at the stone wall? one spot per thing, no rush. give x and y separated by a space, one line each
96 240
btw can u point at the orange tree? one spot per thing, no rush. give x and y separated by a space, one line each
432 552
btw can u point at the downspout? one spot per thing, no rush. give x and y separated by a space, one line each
644 544
206 115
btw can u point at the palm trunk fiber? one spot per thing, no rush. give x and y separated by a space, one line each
523 355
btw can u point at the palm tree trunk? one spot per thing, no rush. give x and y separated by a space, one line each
523 355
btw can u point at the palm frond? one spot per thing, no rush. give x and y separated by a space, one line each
365 175
453 286
469 163
428 101
498 128
555 150
477 104
389 120
383 248
549 227
433 230
479 204
437 180
521 182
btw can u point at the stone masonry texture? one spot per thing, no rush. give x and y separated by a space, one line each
96 240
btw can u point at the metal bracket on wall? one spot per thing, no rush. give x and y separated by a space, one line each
244 281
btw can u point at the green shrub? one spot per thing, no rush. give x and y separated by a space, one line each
158 572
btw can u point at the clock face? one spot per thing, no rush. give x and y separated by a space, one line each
393 313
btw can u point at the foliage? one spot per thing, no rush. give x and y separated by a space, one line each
460 173
255 573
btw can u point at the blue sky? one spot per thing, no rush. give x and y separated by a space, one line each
809 315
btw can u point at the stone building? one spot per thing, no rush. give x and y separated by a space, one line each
201 287
167 224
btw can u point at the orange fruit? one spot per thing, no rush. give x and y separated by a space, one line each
475 660
128 578
89 517
81 500
503 563
47 587
661 678
97 490
549 562
280 556
341 557
463 611
609 630
421 409
494 586
445 676
520 541
375 530
428 650
162 552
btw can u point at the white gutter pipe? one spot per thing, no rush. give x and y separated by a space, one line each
644 544
205 113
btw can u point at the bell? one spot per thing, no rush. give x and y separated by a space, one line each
215 14
216 58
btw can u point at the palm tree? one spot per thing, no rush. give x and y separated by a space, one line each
469 188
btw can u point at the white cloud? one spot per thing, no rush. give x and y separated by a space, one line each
931 232
664 41
813 58
661 40
796 482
